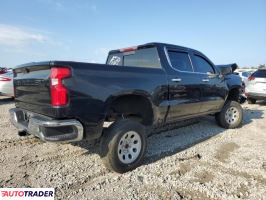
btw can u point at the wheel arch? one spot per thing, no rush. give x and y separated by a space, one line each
233 93
130 105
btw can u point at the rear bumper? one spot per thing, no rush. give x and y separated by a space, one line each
257 96
45 128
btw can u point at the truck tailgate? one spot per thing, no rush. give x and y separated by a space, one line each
32 88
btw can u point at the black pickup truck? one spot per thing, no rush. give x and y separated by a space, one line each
119 103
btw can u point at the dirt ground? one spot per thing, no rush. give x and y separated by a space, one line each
200 161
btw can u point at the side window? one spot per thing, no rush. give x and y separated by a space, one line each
115 59
202 65
147 57
180 61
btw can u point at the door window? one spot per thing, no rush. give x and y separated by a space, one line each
147 57
202 65
180 61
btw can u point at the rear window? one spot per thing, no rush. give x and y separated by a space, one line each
259 74
245 74
147 57
115 59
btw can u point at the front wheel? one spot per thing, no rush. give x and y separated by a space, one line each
231 115
123 145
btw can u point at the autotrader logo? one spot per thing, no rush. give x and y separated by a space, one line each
27 193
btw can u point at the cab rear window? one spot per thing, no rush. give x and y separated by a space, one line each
146 57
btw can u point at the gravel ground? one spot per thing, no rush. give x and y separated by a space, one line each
200 161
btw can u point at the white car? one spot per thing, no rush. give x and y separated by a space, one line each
6 83
256 86
244 76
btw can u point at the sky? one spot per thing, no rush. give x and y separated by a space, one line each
227 31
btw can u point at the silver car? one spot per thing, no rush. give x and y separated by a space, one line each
6 84
256 86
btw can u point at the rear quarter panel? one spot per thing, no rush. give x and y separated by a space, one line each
92 86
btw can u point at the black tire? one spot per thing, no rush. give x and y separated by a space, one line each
217 119
251 101
111 140
237 117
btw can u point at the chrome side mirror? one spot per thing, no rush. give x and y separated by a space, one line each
212 75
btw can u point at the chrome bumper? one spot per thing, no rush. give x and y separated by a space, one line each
46 128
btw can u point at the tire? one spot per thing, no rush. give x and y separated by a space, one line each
217 119
123 145
231 115
251 101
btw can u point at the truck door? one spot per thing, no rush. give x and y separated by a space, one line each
212 85
184 86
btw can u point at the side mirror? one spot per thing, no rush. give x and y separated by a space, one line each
225 70
212 75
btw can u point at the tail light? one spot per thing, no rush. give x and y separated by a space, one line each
5 78
128 49
251 78
59 93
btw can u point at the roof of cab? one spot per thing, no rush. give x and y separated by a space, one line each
150 44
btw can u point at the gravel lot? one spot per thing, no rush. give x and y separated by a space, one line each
200 161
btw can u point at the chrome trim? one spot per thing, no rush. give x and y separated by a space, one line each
168 59
176 79
107 124
191 63
35 122
211 75
169 62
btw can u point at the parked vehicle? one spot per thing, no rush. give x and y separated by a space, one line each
256 86
244 76
119 103
3 70
6 83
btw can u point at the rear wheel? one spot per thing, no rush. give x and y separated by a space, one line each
231 115
251 101
123 145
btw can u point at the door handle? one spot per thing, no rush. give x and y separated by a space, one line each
176 79
205 80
